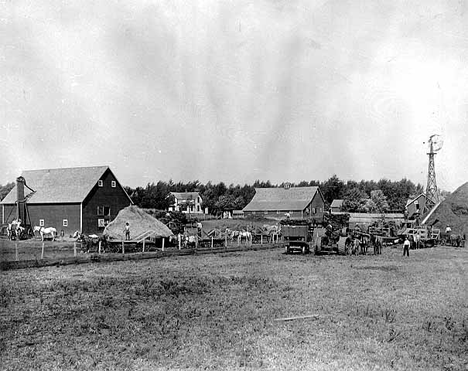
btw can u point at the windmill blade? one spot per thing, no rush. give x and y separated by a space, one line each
437 142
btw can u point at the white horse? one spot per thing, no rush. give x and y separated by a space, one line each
46 231
244 234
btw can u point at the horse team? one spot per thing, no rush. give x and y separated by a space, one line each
16 231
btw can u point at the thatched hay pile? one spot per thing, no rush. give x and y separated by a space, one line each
453 211
140 222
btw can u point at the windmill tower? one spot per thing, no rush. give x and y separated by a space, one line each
432 193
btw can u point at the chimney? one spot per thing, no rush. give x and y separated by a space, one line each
20 212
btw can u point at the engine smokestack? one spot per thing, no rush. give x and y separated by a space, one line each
20 201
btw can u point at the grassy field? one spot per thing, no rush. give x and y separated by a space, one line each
218 312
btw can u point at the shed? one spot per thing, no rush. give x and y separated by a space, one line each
336 206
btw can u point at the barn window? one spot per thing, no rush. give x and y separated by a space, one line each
65 222
113 184
314 211
41 222
100 210
100 183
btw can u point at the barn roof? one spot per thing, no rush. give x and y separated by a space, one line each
282 199
64 185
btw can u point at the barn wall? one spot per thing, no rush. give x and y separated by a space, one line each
53 215
107 196
317 207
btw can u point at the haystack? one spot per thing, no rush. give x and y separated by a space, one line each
453 211
140 222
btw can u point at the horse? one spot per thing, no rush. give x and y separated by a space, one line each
15 230
455 240
377 242
46 231
244 234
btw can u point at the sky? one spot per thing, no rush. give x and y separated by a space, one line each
235 91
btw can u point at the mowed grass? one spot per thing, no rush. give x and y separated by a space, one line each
218 312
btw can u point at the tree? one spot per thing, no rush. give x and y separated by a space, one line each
377 202
333 189
355 200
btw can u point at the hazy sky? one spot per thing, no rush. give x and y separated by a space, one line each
235 91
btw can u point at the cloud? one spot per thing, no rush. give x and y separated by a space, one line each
235 91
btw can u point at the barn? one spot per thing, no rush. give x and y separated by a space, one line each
298 202
82 199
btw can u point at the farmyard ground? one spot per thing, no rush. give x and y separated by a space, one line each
218 312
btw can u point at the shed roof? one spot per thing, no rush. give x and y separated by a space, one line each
282 199
64 185
337 203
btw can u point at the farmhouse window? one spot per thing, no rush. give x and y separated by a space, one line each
100 183
101 223
314 211
113 184
106 211
65 222
41 222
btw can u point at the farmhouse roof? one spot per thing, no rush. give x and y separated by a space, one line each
282 199
64 185
337 203
185 195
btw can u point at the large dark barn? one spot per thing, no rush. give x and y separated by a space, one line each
82 199
298 202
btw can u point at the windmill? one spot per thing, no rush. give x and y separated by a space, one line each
432 194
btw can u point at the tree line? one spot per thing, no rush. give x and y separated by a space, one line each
364 196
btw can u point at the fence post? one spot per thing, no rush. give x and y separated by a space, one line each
99 247
16 251
261 239
196 242
163 244
212 242
143 245
123 248
42 253
179 240
74 248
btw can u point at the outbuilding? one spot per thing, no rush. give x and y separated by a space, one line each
294 202
81 199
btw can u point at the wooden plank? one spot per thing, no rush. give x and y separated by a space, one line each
313 316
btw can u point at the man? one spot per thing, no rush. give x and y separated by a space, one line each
406 246
127 231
